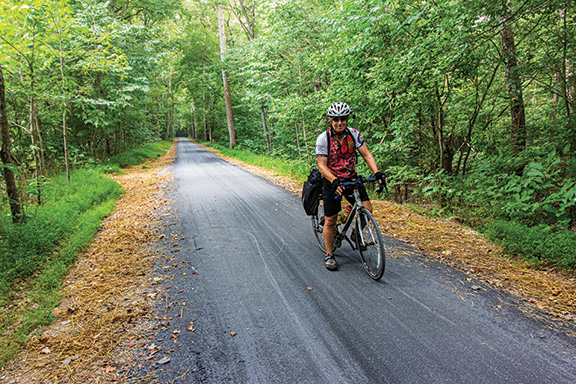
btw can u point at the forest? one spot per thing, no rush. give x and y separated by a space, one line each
468 106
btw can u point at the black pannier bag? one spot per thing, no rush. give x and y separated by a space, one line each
311 192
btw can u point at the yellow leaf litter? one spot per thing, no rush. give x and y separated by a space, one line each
110 291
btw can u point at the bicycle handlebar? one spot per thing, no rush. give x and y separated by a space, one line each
362 180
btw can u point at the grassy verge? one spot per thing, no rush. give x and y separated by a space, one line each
134 157
35 256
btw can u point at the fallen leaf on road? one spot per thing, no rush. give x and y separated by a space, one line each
164 360
233 333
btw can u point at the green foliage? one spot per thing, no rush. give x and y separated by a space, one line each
540 244
27 248
135 156
541 194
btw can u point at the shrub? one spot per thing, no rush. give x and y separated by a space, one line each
539 244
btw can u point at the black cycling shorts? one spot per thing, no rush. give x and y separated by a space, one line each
332 205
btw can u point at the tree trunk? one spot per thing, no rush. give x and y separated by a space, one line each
227 94
65 142
211 124
37 150
298 140
64 108
305 139
250 30
513 85
158 125
566 75
205 121
193 122
6 156
170 108
438 125
264 127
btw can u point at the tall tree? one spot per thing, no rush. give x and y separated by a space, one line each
513 84
226 84
6 156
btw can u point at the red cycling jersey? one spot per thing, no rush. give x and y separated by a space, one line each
342 157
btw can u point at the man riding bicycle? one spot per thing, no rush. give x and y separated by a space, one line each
336 156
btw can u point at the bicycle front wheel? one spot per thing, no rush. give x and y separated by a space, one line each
370 244
318 226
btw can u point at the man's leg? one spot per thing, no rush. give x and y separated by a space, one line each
328 233
368 205
331 207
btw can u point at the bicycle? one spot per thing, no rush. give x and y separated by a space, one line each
365 236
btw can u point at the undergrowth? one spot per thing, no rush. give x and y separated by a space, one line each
133 157
36 255
540 244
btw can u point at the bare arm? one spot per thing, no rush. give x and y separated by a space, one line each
323 168
368 158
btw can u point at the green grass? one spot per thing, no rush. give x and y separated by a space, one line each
133 157
137 156
36 255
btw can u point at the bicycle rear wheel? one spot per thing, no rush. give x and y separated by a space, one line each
318 226
370 245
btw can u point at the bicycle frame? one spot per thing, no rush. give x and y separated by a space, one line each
342 229
365 238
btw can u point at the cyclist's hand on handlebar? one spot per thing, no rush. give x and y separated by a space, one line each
338 189
382 179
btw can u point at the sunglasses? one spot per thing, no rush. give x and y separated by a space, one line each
340 118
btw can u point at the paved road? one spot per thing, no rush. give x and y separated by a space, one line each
246 259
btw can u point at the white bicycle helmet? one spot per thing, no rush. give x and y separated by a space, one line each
339 109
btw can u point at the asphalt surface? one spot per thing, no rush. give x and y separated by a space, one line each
243 259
